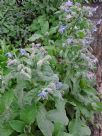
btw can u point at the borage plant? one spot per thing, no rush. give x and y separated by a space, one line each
31 101
76 66
34 100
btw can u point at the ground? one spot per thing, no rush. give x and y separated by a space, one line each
97 51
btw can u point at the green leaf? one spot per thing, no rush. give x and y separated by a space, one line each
45 27
2 106
67 134
53 30
34 26
80 34
59 129
41 20
17 125
79 128
59 114
22 135
44 124
28 114
85 131
5 131
19 93
35 37
8 98
97 106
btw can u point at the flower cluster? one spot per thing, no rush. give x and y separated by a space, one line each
62 29
66 6
50 89
11 60
71 13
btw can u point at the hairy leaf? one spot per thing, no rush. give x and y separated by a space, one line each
44 124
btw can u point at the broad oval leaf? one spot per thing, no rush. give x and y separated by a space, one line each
28 114
45 125
17 125
59 114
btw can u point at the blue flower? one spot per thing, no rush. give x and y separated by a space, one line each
95 9
9 55
62 29
12 62
94 30
43 95
69 40
68 3
67 10
59 85
99 22
23 52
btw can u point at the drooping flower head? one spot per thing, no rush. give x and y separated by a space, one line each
69 40
90 75
23 51
11 62
95 9
94 30
9 55
43 95
99 22
68 3
66 6
62 29
59 85
77 4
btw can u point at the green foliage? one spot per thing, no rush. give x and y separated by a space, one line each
15 19
20 89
